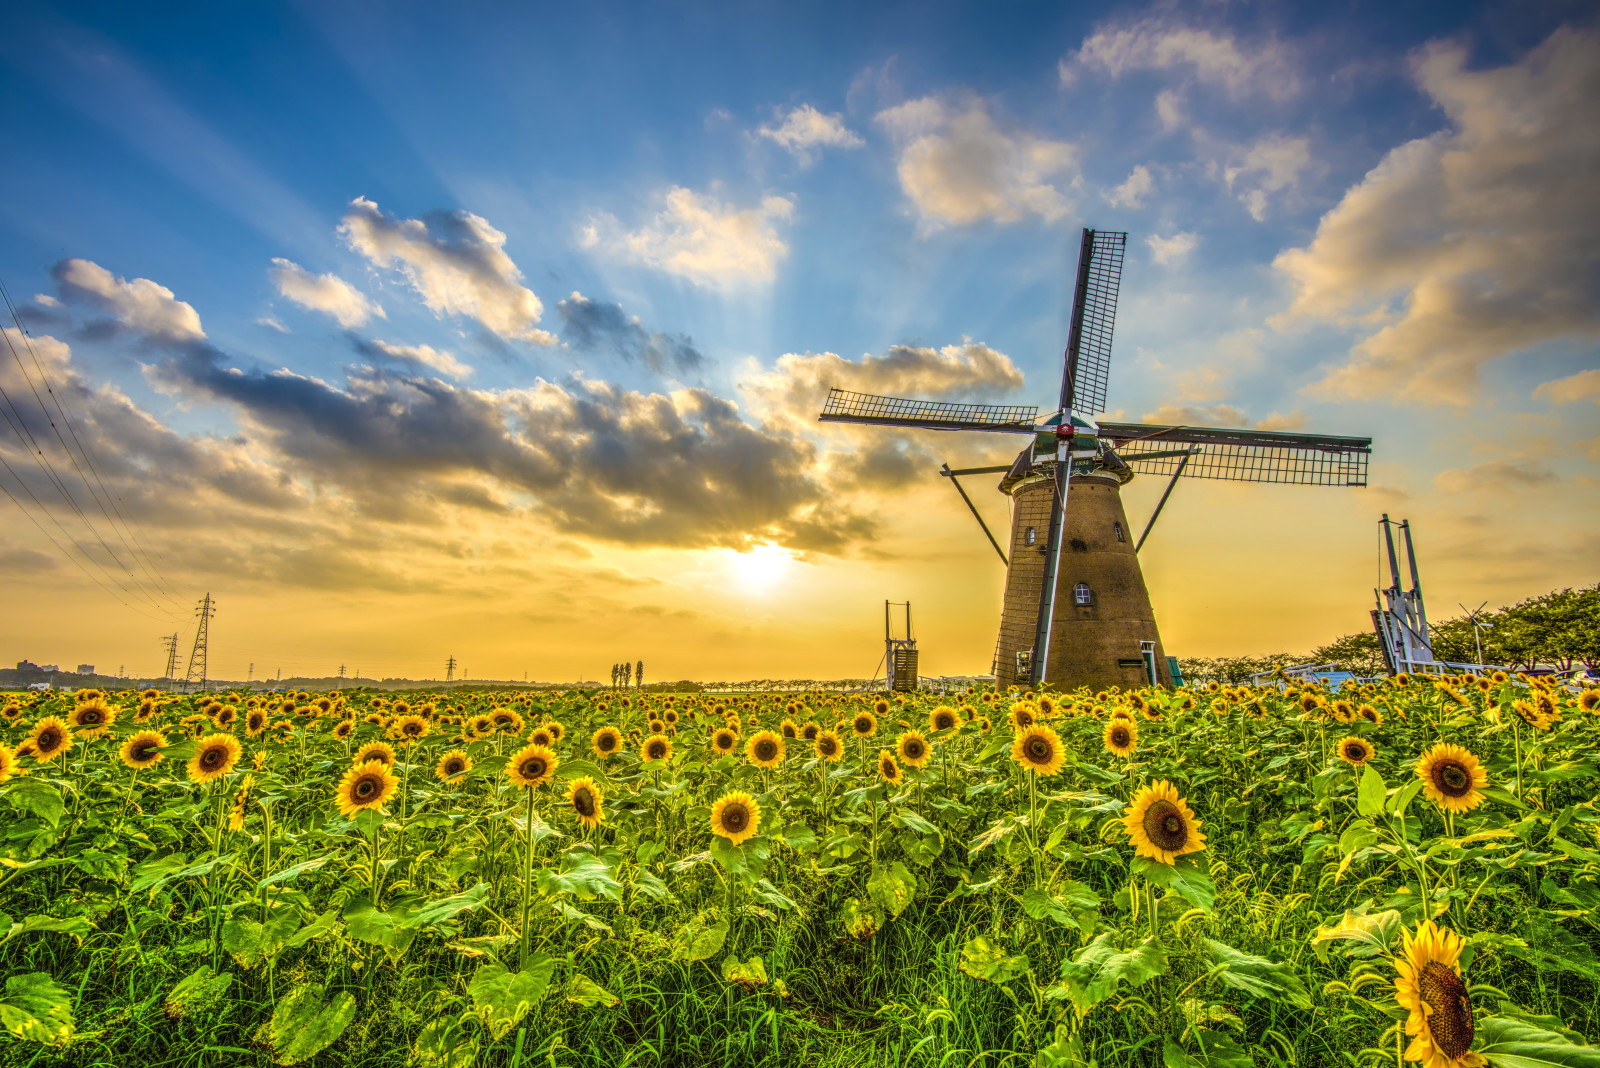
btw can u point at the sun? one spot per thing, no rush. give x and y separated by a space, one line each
760 569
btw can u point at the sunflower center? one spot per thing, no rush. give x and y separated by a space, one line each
49 739
607 742
144 751
365 787
452 767
735 817
1450 1019
213 756
1119 737
583 802
913 749
1164 825
1038 750
1454 780
533 768
766 749
657 751
827 747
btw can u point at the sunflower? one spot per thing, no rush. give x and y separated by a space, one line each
365 785
50 738
255 721
942 718
408 729
92 718
983 724
736 817
828 746
587 800
240 800
880 707
540 736
532 765
225 716
888 769
724 740
452 766
912 749
789 730
1121 737
1589 700
765 749
1371 714
656 726
214 756
1452 778
381 751
1021 716
1162 825
606 742
1038 749
810 731
143 750
1047 707
1356 751
657 747
8 762
1343 711
557 731
341 730
1430 987
864 725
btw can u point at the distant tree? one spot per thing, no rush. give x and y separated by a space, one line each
1358 652
638 674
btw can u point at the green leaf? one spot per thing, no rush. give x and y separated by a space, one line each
891 888
1514 1043
1373 933
197 993
154 874
76 926
1219 1051
583 875
39 798
1257 976
1072 905
444 1044
985 960
700 945
502 997
1370 793
1099 968
1065 1052
586 992
288 875
1402 798
36 1008
913 822
250 942
1189 878
577 769
306 1022
749 974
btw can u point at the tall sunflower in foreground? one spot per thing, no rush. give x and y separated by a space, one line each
1430 986
1354 750
92 718
724 740
656 748
1452 778
828 746
736 817
888 769
588 801
214 756
532 765
1038 749
606 742
380 751
8 762
364 786
452 766
50 738
912 749
863 725
1121 737
1161 824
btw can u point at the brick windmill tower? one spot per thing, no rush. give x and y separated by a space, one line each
1076 610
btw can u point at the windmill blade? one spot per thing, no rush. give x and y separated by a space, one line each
843 406
1246 455
1094 314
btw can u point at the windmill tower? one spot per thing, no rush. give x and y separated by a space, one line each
1076 609
197 656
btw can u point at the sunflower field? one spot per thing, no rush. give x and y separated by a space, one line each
1405 872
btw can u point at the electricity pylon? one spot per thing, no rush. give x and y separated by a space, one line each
197 656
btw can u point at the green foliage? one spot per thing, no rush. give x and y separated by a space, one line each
306 1021
501 997
36 1008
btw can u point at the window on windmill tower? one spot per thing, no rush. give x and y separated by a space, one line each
1081 593
1027 536
1116 528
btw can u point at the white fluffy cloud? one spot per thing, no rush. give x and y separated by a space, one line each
326 293
1222 415
959 167
457 263
1131 193
805 130
420 357
1174 249
1205 56
700 237
1473 243
1263 169
1585 385
148 309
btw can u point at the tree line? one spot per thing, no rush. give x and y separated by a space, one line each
1559 629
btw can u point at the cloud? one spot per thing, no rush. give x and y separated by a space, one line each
598 326
804 131
1221 415
958 167
326 293
1171 250
1269 166
271 323
1203 56
418 357
699 237
1131 193
1169 109
1585 385
1473 243
456 262
1495 476
147 309
793 391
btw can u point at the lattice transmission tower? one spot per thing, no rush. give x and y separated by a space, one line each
170 643
197 656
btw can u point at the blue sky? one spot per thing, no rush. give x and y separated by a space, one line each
1338 221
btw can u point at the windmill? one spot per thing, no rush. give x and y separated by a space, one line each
1076 610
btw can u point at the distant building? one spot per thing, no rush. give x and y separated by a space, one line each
86 669
49 667
27 665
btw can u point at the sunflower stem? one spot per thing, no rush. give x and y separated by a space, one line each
527 879
1516 739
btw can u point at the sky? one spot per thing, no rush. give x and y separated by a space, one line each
498 331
